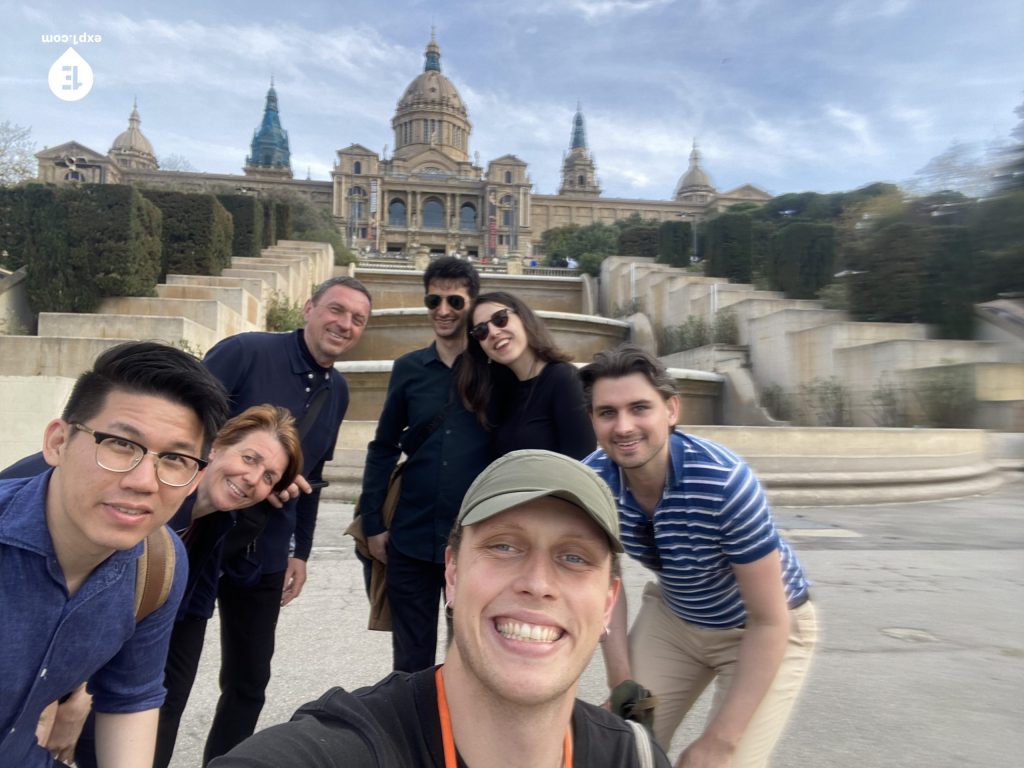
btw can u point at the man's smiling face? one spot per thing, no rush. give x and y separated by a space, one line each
447 321
532 591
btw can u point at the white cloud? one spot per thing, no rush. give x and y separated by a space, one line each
859 11
593 10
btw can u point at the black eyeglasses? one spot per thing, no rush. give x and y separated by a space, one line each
456 302
499 319
119 454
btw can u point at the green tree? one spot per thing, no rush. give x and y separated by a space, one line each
555 242
886 280
640 240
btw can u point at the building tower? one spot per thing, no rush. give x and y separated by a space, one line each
431 114
695 185
579 173
269 155
132 149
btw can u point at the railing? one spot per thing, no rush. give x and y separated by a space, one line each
497 268
392 264
551 271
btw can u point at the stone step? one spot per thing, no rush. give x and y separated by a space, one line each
804 466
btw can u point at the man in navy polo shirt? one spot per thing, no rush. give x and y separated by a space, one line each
296 371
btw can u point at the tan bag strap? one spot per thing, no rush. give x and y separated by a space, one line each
154 573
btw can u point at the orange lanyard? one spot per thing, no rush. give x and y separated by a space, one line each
450 761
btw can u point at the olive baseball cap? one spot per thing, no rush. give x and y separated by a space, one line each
522 476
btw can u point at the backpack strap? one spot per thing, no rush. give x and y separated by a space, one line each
154 573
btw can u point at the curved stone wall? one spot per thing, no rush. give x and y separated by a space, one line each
393 332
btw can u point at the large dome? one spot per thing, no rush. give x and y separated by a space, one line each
431 114
431 89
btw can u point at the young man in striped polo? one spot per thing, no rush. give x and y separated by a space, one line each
730 601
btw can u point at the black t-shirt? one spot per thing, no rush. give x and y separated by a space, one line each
395 724
546 412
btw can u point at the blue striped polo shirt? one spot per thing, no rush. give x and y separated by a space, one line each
713 513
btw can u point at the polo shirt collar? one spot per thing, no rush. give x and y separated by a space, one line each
24 523
301 358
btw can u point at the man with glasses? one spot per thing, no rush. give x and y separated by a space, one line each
447 448
125 453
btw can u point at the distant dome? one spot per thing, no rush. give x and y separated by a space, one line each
431 89
695 179
132 149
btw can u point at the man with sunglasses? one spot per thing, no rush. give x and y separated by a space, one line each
424 418
125 453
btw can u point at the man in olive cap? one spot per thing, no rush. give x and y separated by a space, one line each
532 576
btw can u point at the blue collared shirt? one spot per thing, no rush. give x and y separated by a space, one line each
50 643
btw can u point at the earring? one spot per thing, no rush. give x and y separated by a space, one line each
448 613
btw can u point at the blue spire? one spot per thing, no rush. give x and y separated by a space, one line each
270 141
579 135
433 55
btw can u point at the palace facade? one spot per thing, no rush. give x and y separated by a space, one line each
427 193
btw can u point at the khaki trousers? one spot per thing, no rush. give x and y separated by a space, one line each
677 661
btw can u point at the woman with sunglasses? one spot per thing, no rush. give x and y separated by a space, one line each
519 384
254 454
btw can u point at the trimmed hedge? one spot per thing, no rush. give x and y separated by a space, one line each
674 243
283 217
269 222
728 247
197 233
640 240
247 213
29 220
82 244
802 259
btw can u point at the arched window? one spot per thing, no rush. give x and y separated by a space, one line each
396 213
508 177
73 176
357 168
582 180
467 217
433 214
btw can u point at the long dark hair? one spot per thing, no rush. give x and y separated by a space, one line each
479 379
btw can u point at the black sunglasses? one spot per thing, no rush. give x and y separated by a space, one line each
433 301
499 319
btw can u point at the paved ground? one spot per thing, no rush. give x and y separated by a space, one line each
921 660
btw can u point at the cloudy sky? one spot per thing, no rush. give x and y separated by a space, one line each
791 96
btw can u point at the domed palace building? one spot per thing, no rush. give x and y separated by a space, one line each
428 193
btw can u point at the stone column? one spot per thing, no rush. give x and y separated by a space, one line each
421 258
514 265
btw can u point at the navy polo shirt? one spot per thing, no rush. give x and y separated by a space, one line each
277 368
